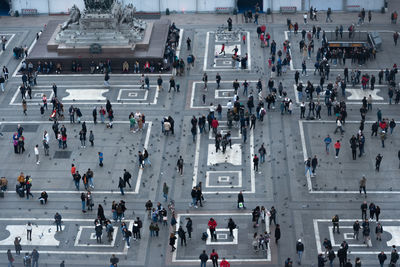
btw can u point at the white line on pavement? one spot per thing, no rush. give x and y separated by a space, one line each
206 51
305 155
146 144
252 171
318 237
20 63
303 144
7 43
196 167
192 106
140 173
248 51
70 252
184 215
196 158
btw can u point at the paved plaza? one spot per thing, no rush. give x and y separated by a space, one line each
305 203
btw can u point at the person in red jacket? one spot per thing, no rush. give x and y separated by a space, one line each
224 263
337 148
214 258
222 49
212 224
214 125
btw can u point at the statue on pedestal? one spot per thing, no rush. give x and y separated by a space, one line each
102 6
74 16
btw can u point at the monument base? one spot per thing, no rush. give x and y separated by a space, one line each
151 48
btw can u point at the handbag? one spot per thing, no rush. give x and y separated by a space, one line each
241 205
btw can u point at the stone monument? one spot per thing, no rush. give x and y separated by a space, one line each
104 30
104 23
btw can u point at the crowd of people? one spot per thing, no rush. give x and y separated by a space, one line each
243 112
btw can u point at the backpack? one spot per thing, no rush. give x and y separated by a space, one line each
204 236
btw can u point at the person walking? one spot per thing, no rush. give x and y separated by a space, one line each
182 235
363 184
382 258
277 233
262 151
121 185
272 215
179 164
356 229
224 263
339 126
83 202
205 80
342 255
378 161
327 142
27 260
212 225
383 137
172 239
240 201
17 245
36 150
307 165
29 231
328 15
395 37
331 257
378 231
337 146
35 258
106 79
314 164
94 114
203 259
127 177
364 208
394 257
231 227
54 90
299 250
255 162
114 260
189 227
377 213
10 258
353 146
165 191
335 223
218 80
57 220
214 258
91 138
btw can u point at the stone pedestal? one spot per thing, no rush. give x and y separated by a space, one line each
97 21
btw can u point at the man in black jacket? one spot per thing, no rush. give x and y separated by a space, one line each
342 256
203 258
382 258
127 177
299 249
240 200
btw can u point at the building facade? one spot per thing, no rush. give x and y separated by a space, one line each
59 7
